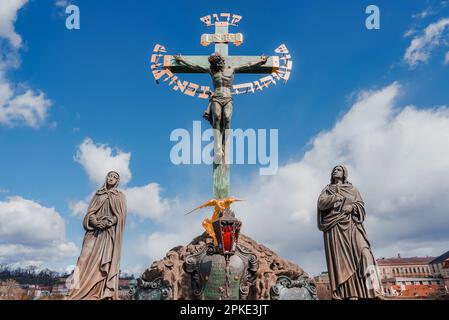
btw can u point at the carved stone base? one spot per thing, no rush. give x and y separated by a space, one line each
157 289
288 289
195 272
207 269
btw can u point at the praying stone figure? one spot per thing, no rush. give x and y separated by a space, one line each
219 110
350 261
96 275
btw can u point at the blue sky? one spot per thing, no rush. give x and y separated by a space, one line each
100 87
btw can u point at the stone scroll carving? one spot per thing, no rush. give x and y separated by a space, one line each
288 289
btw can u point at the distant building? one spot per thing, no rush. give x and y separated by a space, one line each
440 268
415 267
41 293
410 278
60 289
10 290
37 292
323 286
125 285
413 288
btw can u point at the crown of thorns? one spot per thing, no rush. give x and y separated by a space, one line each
215 58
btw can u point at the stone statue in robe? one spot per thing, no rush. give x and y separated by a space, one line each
350 260
96 274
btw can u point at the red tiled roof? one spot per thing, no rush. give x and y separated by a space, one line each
404 261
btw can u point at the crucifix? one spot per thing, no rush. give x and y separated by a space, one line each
221 67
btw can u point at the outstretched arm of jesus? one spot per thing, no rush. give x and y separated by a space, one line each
261 62
190 65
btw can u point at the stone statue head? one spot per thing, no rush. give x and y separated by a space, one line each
339 172
216 61
112 180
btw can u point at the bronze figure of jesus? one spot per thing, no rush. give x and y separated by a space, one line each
219 110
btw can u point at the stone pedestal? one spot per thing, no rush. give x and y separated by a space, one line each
195 272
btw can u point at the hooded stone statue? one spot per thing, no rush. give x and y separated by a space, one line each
96 275
350 261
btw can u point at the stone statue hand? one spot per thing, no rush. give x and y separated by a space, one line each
105 223
101 225
93 221
347 208
177 57
264 59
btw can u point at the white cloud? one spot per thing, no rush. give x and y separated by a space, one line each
17 106
61 6
8 16
62 3
412 248
21 219
20 253
98 159
422 45
29 107
32 232
446 58
157 244
424 14
79 207
135 269
146 201
397 159
172 228
409 33
394 156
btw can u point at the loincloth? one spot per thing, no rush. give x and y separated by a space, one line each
221 100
